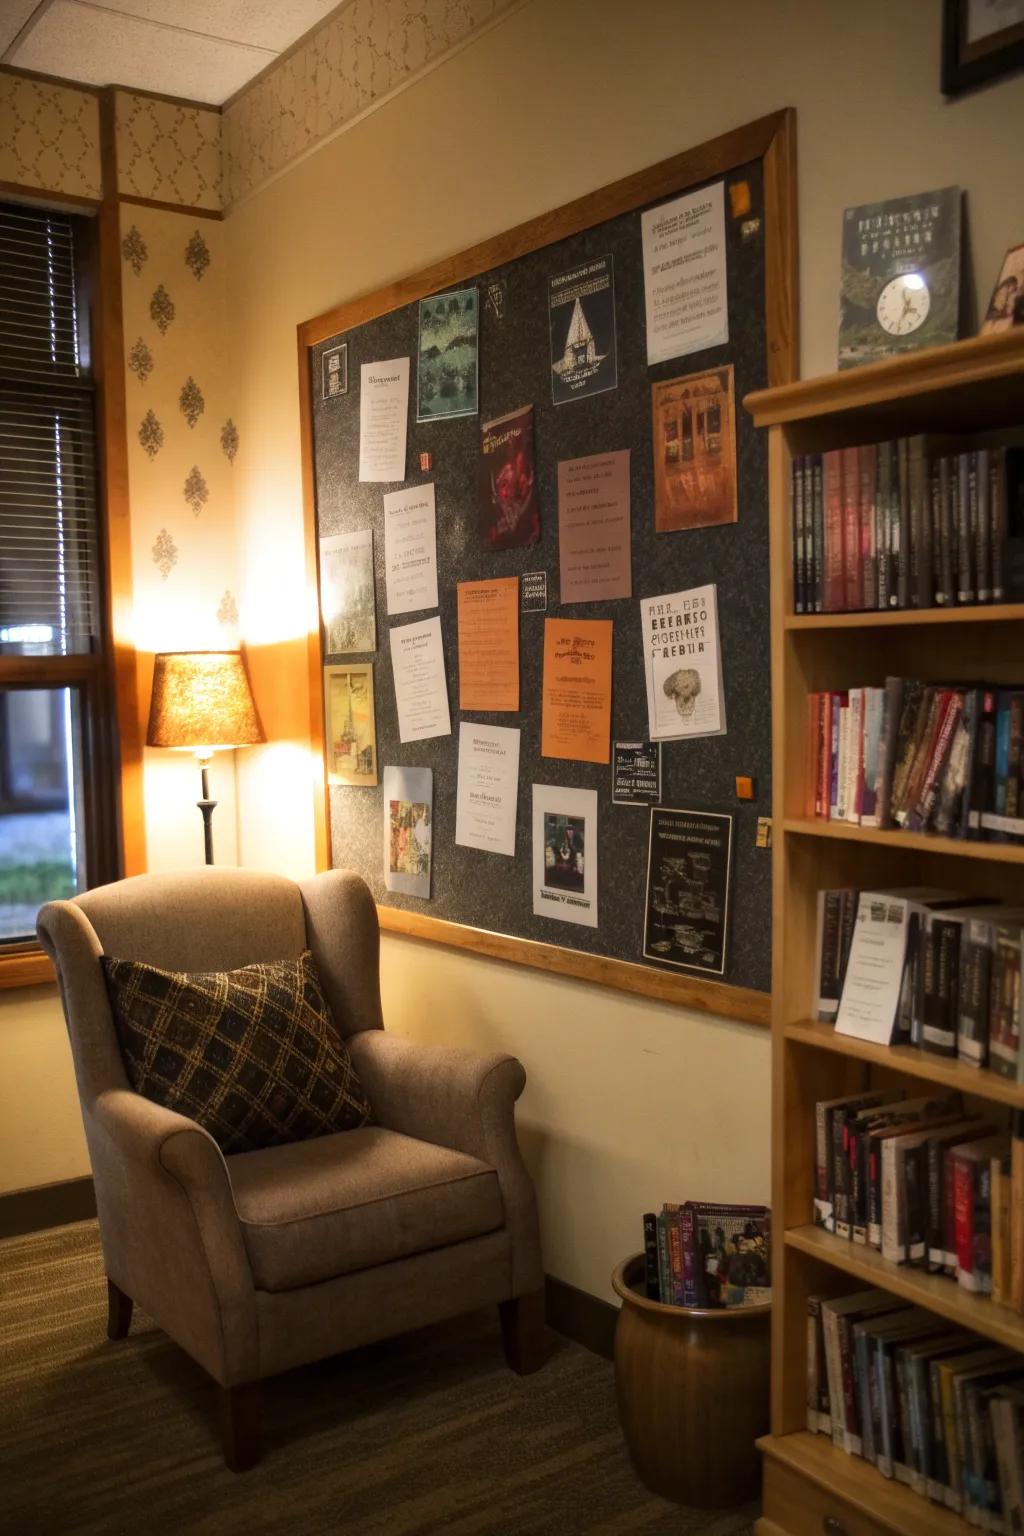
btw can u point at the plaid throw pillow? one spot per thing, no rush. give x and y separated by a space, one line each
252 1055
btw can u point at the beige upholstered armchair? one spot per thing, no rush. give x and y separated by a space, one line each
264 1260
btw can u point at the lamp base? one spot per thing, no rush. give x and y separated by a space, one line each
206 805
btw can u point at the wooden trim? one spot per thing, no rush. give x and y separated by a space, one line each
899 837
36 74
968 362
186 208
25 965
741 1003
63 202
108 354
175 101
49 1205
772 138
314 663
668 177
901 618
48 671
585 1319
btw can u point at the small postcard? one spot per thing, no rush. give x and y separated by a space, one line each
565 854
334 371
636 772
347 595
408 830
448 360
581 320
509 510
694 421
533 592
349 725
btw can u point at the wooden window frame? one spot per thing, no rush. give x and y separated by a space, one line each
112 740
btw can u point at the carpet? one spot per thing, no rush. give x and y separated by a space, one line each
424 1434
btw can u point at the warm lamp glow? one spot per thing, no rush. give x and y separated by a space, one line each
202 701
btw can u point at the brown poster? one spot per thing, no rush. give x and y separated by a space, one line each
489 645
694 422
593 528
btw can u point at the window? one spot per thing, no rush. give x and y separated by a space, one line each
56 784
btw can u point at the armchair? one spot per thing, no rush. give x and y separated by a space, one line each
260 1261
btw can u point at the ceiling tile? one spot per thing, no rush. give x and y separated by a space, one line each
13 16
273 24
103 47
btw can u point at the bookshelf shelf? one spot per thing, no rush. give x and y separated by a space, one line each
918 842
938 1293
974 386
862 1489
905 618
977 1082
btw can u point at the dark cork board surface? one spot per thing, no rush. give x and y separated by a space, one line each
489 890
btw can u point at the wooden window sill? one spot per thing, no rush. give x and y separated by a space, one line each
25 965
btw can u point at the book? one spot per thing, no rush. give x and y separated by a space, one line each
732 1244
972 1203
825 1114
1005 1056
652 1288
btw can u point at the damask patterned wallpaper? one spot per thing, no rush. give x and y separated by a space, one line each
182 440
49 136
363 53
168 151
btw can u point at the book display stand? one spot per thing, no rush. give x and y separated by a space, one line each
974 386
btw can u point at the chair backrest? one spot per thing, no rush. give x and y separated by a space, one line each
208 920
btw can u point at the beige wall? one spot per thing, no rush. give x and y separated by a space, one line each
629 1102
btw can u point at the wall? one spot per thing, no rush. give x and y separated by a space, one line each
629 1102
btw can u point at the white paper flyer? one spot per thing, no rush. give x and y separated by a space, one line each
488 791
421 689
565 854
383 419
410 549
683 660
685 286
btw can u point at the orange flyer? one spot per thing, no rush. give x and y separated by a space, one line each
489 645
577 714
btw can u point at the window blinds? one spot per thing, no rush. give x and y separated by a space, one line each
49 602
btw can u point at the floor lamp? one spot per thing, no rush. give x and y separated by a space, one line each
202 703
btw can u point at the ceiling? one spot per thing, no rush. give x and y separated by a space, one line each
204 50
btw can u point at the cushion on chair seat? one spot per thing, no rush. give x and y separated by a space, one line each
317 1209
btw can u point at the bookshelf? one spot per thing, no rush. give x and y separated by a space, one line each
974 385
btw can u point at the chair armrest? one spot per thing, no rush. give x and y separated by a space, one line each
452 1097
458 1099
171 1234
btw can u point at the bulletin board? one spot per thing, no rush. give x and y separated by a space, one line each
483 901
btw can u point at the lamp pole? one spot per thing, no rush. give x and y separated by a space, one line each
206 805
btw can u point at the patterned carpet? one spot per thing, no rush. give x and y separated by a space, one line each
426 1434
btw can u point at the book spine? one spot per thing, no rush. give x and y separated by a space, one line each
915 1187
842 759
840 1172
950 710
936 1255
834 1371
983 535
873 1179
836 712
855 756
949 1210
851 1438
798 535
921 555
1000 1224
883 491
887 1405
829 905
834 590
687 1225
813 1330
664 1271
945 590
963 1203
817 533
867 460
973 994
941 966
983 778
938 1477
862 1377
998 505
651 1285
892 1245
1005 1005
1017 1211
856 1153
853 577
966 470
675 1257
823 792
901 524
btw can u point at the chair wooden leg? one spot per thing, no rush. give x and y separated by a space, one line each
119 1312
240 1421
522 1332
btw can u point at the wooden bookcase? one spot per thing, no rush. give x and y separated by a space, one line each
972 386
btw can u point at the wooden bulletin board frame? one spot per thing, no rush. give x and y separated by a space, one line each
771 139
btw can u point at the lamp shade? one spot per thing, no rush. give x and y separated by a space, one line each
202 699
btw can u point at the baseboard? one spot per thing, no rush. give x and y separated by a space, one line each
585 1319
50 1205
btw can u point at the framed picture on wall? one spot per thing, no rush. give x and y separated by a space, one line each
350 725
981 40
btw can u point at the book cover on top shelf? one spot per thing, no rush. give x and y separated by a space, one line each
900 277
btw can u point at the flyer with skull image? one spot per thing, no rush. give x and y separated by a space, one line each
683 661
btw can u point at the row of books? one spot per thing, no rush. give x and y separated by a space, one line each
926 1184
907 524
702 1255
932 1406
927 757
924 967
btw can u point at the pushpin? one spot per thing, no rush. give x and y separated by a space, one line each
744 787
426 461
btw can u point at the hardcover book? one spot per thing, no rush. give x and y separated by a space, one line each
901 276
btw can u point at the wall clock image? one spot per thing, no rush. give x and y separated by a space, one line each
903 304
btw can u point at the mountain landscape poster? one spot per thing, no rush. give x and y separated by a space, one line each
447 372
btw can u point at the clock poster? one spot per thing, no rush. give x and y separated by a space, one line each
901 276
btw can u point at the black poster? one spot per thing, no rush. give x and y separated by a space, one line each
636 772
581 314
533 590
688 870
